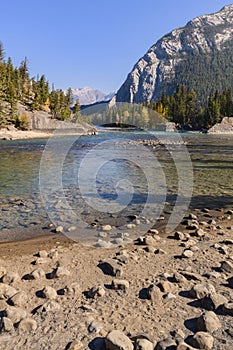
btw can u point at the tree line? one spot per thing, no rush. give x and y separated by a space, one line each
184 108
16 86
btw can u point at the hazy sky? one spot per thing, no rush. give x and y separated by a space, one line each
90 43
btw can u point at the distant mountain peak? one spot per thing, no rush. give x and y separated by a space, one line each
87 95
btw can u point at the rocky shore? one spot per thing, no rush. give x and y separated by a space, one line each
159 292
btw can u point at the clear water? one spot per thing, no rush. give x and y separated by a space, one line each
20 200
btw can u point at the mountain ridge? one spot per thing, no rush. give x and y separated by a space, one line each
88 95
162 68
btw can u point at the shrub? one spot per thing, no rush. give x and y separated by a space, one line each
23 121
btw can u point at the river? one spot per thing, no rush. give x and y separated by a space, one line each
38 186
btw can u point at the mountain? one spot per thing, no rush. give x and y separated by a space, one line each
88 96
198 55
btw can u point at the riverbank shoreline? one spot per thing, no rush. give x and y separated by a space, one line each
11 133
14 134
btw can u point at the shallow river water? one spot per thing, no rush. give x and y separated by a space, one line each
113 174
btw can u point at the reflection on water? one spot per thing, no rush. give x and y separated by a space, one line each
20 204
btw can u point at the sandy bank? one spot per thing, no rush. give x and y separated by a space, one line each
11 134
55 292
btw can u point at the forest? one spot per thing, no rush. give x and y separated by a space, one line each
185 109
17 87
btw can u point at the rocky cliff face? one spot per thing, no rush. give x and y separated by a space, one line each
165 64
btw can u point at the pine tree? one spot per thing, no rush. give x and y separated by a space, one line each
2 52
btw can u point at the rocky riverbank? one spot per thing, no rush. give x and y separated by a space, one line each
15 134
159 292
11 133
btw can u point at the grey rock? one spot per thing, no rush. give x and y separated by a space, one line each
37 274
111 267
49 293
118 241
188 254
103 244
192 216
27 325
230 212
183 346
97 291
106 228
208 322
212 301
192 225
166 344
143 344
191 275
212 222
179 278
19 299
50 306
179 236
189 243
199 291
120 284
165 286
202 340
199 233
228 308
59 229
95 327
6 325
72 289
60 271
117 340
15 314
43 254
10 277
6 291
154 294
130 226
53 254
227 266
150 241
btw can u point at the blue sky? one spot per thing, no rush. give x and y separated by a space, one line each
90 43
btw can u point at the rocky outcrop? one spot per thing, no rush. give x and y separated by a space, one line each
160 68
225 127
43 121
